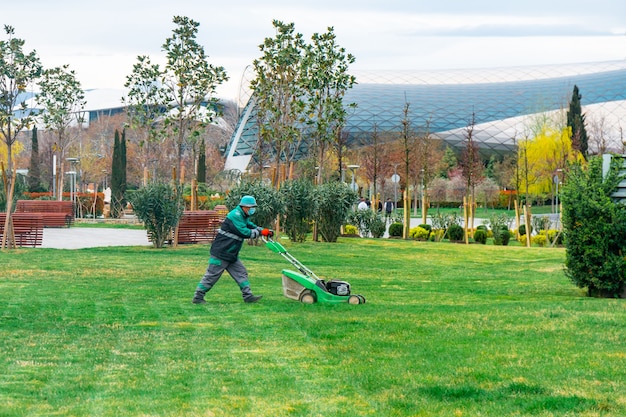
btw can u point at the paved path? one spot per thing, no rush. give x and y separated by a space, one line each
90 237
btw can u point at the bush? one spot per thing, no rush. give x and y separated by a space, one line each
554 234
480 236
504 236
396 229
456 233
270 203
419 233
378 227
159 206
351 230
595 227
540 239
300 208
426 226
522 229
333 201
499 224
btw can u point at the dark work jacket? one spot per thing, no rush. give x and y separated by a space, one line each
235 228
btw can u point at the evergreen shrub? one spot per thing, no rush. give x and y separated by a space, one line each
480 236
395 229
456 233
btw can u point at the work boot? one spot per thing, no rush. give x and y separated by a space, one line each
198 300
252 298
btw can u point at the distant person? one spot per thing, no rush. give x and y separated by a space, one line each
362 204
388 208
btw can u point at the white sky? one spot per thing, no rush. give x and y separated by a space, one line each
101 40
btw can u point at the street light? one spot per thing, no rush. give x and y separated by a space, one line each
395 178
557 181
72 173
353 168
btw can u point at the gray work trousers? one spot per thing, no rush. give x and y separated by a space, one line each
215 270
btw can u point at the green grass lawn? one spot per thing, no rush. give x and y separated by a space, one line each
447 330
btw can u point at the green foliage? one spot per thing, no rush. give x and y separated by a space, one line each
270 202
189 82
595 227
378 227
576 123
499 224
118 175
18 71
396 229
63 100
300 207
278 89
202 162
419 233
34 171
522 229
368 222
18 193
334 201
456 233
480 236
426 226
159 206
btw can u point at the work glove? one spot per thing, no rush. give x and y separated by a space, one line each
254 233
267 232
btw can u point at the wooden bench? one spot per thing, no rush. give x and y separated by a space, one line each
54 213
198 226
27 228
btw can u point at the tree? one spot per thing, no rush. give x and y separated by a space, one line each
145 103
595 229
34 172
278 92
448 162
118 175
407 137
576 123
63 102
202 162
18 70
326 81
541 157
472 168
189 83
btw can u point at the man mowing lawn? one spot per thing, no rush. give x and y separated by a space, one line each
225 251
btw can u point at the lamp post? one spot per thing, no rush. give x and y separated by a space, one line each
556 197
395 178
72 174
353 184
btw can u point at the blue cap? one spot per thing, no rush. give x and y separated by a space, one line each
247 201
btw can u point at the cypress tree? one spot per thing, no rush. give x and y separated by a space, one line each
123 162
116 179
34 172
202 163
576 121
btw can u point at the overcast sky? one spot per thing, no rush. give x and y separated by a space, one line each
101 40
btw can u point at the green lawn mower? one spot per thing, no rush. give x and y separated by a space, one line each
308 288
